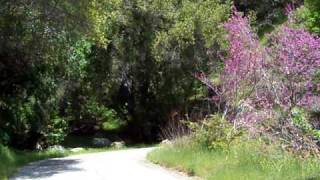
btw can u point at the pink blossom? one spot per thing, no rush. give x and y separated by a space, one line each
278 74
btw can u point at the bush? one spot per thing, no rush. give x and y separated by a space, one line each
56 130
214 133
29 122
310 15
300 118
106 117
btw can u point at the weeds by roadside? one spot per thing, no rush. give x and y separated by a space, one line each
246 159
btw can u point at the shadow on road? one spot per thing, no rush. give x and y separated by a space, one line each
48 168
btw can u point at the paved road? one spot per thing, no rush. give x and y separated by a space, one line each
114 165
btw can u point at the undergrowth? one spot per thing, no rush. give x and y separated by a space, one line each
245 159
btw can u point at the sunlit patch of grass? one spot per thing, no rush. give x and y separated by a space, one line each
244 160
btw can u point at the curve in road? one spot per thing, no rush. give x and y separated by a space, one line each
114 165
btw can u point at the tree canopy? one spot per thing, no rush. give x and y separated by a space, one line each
131 66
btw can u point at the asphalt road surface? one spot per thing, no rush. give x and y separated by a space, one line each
114 165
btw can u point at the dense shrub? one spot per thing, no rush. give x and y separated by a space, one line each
105 117
310 15
301 119
215 133
56 130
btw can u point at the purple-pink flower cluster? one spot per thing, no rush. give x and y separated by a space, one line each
296 58
277 74
245 60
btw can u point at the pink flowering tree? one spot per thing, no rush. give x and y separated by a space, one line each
244 62
295 60
243 73
258 79
271 81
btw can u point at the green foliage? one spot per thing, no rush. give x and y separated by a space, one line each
268 13
103 15
300 119
77 62
316 78
56 130
23 115
153 50
214 133
4 137
137 56
312 4
192 22
42 56
310 15
244 160
113 63
108 118
196 17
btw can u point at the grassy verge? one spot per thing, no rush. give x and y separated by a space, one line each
245 160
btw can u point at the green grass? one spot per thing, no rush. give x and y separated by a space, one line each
245 160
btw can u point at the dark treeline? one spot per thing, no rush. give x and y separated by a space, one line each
123 66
